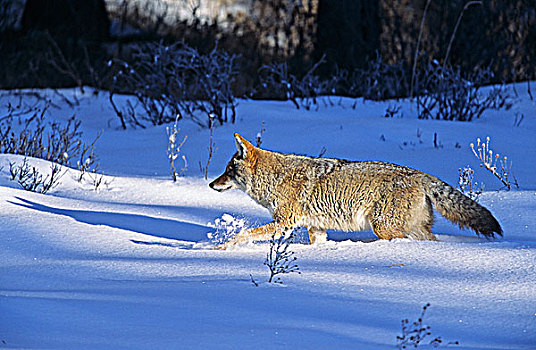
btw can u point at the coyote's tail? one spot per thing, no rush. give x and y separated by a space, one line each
460 209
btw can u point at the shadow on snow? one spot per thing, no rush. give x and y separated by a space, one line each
147 225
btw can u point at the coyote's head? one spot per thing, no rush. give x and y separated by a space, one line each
239 170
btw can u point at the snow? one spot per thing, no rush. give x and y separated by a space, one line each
131 265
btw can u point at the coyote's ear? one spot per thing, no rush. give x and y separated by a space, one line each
243 146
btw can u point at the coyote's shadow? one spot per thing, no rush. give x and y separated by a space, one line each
144 224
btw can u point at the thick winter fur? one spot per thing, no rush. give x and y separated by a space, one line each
322 193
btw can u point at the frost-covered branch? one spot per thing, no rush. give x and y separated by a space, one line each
174 150
489 161
258 139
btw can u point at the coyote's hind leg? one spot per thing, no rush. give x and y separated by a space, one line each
422 220
383 231
317 235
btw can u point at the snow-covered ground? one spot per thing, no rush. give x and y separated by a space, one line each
129 266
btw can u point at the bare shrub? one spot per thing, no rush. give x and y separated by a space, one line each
30 179
56 59
414 333
379 81
280 260
275 77
277 81
50 141
23 131
392 111
171 80
126 115
444 94
97 180
87 159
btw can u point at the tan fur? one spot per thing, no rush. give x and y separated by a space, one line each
322 193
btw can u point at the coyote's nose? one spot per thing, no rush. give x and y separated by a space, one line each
221 184
218 186
215 186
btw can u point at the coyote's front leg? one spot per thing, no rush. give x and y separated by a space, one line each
261 233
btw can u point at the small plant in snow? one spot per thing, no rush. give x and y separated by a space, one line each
98 179
414 333
258 139
211 146
489 161
418 134
392 111
518 119
467 185
83 167
87 162
226 227
281 260
323 151
30 179
174 150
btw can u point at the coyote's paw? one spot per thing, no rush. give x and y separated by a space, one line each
226 245
227 228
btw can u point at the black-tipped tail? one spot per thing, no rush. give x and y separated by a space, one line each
462 210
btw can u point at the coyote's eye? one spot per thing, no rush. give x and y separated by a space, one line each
231 168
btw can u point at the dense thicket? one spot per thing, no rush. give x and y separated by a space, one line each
69 42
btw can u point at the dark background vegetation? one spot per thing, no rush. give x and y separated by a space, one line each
61 43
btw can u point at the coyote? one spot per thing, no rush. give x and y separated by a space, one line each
322 193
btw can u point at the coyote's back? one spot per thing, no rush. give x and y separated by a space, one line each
321 194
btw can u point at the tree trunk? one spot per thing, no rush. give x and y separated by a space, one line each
348 32
68 19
